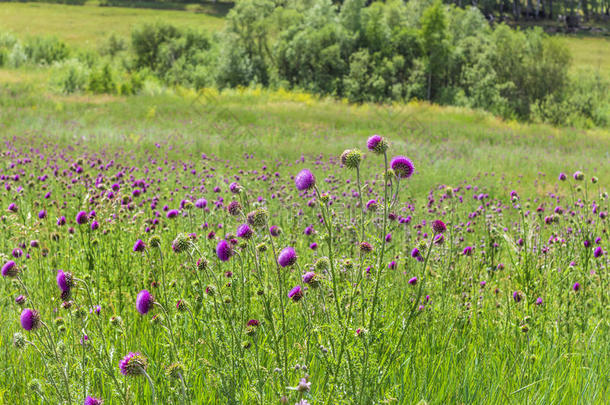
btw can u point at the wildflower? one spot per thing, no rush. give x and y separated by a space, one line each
517 296
30 319
351 158
133 364
93 401
576 287
10 269
244 231
377 144
144 302
64 280
296 293
274 230
305 180
258 218
366 247
311 279
598 252
413 280
402 167
139 246
438 226
181 243
234 208
287 257
82 218
224 251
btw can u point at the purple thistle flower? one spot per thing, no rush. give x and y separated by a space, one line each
82 218
296 293
94 225
12 207
274 230
576 287
133 364
201 203
30 319
244 231
438 226
538 301
144 302
467 251
42 214
224 250
64 280
9 269
287 257
93 401
172 214
61 221
598 252
308 277
305 180
413 280
402 166
377 144
562 177
139 246
517 296
20 300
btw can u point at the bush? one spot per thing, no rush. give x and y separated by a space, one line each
70 76
175 55
102 81
46 50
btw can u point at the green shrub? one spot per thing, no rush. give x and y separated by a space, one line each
46 50
102 81
70 76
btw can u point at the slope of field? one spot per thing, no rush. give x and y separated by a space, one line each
448 143
89 24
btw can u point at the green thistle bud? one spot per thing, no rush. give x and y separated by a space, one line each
322 264
351 158
261 247
181 243
19 340
258 218
154 241
175 370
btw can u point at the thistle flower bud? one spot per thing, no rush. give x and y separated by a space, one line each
133 364
175 371
258 218
351 158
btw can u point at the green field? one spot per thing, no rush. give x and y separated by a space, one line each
475 271
89 24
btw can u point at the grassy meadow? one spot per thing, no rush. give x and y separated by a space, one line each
89 24
262 246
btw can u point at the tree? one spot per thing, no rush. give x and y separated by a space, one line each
434 38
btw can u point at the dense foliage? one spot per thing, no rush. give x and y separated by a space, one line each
378 52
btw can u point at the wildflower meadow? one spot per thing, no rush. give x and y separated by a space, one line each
170 275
